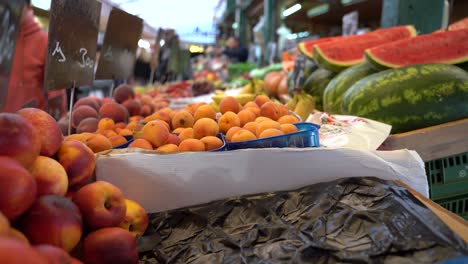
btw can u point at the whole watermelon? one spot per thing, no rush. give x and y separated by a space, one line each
316 83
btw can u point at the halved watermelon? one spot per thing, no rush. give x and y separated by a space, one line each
449 47
307 48
460 24
339 55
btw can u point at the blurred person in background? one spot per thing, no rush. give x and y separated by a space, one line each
26 86
235 51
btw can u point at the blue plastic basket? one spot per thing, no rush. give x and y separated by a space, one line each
306 137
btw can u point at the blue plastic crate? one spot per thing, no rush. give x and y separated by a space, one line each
306 137
220 136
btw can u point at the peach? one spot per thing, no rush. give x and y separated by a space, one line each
288 128
125 132
205 127
254 110
46 127
252 127
133 107
114 111
146 99
13 251
261 99
54 254
271 132
191 145
82 112
18 235
101 203
146 110
182 119
205 111
89 124
262 126
4 225
80 137
51 177
231 132
178 130
246 116
243 135
110 245
159 116
288 119
117 141
78 160
19 139
229 103
168 111
168 149
89 102
136 118
261 119
156 133
106 124
63 124
17 188
56 216
228 120
141 143
120 125
98 143
136 218
123 92
270 110
97 100
173 139
212 142
106 100
186 134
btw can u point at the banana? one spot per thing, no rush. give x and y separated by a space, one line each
247 89
291 105
305 105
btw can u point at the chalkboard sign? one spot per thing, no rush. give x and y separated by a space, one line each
10 16
73 33
298 73
118 54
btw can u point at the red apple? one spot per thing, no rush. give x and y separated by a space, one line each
101 203
17 188
110 245
13 251
136 219
53 220
54 254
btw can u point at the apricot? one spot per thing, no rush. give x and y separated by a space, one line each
133 107
252 127
191 145
173 139
261 119
117 140
231 132
283 110
192 108
156 133
80 137
89 124
288 119
246 116
82 112
182 119
98 143
135 118
205 111
254 110
125 132
243 135
288 128
141 143
108 133
168 149
205 127
163 116
271 132
114 111
168 111
261 99
186 133
178 130
212 142
262 126
228 120
120 125
106 124
229 103
251 104
132 125
123 92
270 110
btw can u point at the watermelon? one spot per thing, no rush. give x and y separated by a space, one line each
307 48
341 54
460 24
450 47
341 83
411 97
309 68
316 83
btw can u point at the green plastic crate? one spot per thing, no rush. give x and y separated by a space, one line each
458 205
448 177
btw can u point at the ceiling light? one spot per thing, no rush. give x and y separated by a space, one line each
318 10
293 9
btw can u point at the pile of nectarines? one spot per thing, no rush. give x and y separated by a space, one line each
51 208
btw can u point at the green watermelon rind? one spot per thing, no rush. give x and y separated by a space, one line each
316 83
334 91
411 97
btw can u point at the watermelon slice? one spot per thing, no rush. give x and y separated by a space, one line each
460 24
449 47
339 55
307 48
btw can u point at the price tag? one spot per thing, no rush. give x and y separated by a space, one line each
120 45
10 16
298 72
73 34
350 23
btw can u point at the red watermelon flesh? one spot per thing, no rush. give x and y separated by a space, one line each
307 48
449 47
350 50
460 24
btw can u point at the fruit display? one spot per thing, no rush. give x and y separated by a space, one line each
410 97
316 83
51 208
307 47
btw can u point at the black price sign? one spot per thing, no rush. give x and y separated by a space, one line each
10 16
298 72
120 45
73 33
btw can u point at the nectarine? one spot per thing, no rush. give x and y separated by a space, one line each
51 177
